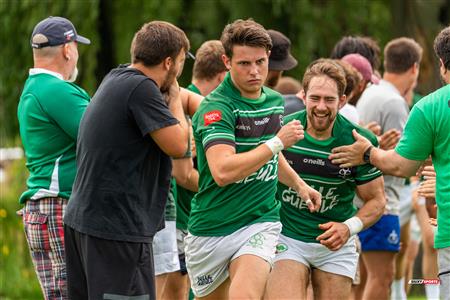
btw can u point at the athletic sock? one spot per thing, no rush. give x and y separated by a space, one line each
398 289
432 291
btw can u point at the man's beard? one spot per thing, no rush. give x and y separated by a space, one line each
170 77
323 124
73 76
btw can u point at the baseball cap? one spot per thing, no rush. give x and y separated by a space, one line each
362 65
55 31
280 57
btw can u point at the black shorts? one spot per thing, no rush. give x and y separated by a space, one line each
107 269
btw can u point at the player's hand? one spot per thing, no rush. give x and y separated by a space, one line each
374 127
312 197
351 155
427 188
389 139
429 173
291 133
335 235
173 94
433 222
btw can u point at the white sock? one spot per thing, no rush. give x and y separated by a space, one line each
398 289
432 291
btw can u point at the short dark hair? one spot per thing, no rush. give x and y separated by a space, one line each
325 67
156 41
245 33
363 45
401 54
442 46
208 60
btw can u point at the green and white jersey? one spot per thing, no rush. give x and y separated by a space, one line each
224 117
170 209
309 158
49 113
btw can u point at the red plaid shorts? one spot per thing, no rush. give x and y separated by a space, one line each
43 224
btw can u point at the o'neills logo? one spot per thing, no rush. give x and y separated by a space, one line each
212 116
311 161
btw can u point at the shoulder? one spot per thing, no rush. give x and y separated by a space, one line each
215 104
55 89
272 95
299 115
347 127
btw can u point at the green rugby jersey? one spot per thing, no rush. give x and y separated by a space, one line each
49 113
170 210
309 158
224 117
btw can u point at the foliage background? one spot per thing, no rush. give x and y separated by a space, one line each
313 26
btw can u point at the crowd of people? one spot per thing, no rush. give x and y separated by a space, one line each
246 184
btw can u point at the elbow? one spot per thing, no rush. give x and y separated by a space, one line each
381 206
181 179
222 179
178 151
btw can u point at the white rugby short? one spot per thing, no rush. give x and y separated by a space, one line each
208 257
341 262
165 252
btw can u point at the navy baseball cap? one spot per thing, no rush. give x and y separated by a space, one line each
55 31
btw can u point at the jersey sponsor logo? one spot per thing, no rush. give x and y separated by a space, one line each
204 280
317 161
280 248
262 121
212 116
243 127
329 198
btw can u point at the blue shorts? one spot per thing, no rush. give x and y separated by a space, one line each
384 235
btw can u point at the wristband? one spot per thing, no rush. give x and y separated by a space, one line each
354 225
275 145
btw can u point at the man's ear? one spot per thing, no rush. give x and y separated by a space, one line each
226 61
66 51
167 63
342 101
302 95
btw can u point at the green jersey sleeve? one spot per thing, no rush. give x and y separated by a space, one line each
417 140
216 123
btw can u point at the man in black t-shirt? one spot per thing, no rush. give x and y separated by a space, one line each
126 138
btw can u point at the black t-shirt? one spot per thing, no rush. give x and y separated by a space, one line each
292 104
123 176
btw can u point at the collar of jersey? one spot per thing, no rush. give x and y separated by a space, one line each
35 71
231 91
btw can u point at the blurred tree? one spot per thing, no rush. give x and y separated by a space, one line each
313 26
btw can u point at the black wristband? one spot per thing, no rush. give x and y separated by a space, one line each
366 155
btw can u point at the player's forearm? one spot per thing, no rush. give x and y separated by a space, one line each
391 163
287 175
190 101
235 167
176 109
372 210
185 174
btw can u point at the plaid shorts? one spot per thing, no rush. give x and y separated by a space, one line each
43 224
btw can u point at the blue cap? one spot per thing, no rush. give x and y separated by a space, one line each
55 31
